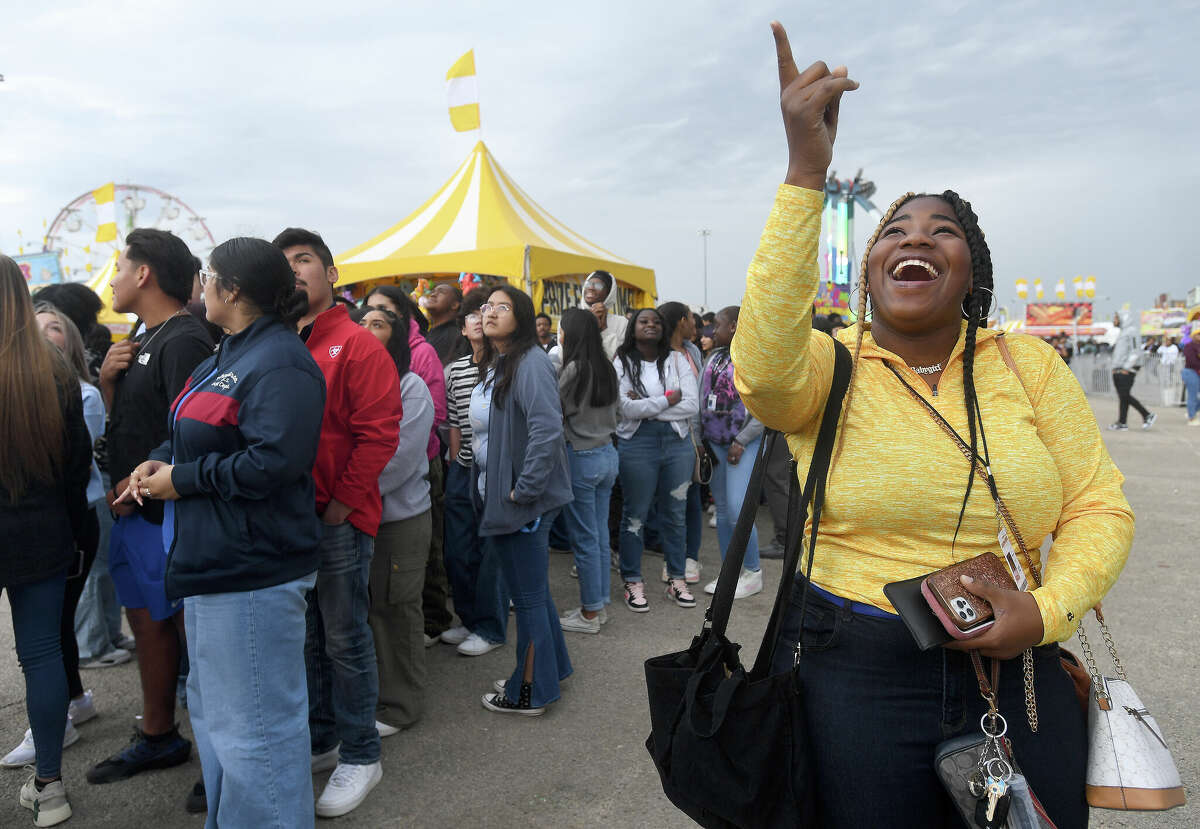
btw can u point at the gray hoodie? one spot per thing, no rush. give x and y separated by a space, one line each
1126 352
404 483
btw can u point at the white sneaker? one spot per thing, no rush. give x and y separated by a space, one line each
749 583
476 645
326 761
691 571
81 710
711 587
26 755
385 730
455 636
50 806
712 521
603 617
575 620
117 656
347 788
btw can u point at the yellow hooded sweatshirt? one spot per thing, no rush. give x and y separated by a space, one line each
895 491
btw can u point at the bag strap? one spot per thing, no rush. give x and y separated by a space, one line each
716 618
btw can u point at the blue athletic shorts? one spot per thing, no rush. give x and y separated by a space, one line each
138 563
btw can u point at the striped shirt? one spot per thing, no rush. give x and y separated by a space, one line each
462 375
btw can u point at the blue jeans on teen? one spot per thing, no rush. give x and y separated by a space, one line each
593 473
656 467
1191 382
339 651
249 705
98 616
37 621
729 483
525 560
878 707
476 584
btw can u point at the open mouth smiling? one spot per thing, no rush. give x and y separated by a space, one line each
915 270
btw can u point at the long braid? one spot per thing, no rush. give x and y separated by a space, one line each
861 314
975 306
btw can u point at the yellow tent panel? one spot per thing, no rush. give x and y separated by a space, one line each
481 221
119 324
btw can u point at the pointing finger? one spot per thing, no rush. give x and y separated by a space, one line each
783 53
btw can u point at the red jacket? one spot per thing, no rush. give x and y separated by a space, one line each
362 416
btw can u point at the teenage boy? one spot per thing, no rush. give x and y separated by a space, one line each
442 305
139 379
545 334
358 437
600 297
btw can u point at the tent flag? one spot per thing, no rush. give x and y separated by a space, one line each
106 213
462 93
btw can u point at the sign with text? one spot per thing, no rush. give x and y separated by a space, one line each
561 293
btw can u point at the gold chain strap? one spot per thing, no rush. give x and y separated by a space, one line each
1031 712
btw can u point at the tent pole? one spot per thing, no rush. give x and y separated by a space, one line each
528 278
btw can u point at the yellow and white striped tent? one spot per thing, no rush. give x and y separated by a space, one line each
119 324
481 221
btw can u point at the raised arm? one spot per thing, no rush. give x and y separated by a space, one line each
784 371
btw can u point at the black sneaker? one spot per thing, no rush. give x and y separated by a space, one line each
501 704
1149 421
197 801
142 754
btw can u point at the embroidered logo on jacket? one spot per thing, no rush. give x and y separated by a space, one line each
335 350
226 381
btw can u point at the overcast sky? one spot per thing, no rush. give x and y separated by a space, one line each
1072 127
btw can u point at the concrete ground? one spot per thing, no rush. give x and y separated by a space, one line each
584 763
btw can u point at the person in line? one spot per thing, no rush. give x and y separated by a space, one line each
520 481
587 388
477 587
139 380
428 366
1126 360
657 400
1191 379
81 304
600 298
442 306
58 329
45 458
402 544
902 500
545 332
735 436
242 539
359 433
680 328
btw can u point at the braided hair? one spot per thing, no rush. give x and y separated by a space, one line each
976 305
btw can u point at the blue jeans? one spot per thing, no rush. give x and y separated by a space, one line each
879 707
249 705
593 473
476 584
339 651
525 559
1191 381
98 616
656 467
729 484
37 621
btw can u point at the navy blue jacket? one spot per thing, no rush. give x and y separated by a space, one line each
244 435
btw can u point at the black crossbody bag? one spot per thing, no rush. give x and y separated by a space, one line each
732 747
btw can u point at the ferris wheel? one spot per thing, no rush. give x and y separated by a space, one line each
73 233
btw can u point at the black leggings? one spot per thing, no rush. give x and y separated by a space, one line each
1123 383
76 578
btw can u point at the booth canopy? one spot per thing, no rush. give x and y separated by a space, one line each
481 221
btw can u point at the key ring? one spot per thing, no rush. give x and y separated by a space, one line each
1005 775
993 716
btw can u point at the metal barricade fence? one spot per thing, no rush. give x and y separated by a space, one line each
1155 383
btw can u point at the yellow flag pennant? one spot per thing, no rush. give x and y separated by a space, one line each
462 93
106 212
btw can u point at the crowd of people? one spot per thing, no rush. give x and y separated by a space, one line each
337 486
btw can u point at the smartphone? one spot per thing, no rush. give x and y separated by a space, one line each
962 613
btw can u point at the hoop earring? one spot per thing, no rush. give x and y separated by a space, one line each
852 306
990 306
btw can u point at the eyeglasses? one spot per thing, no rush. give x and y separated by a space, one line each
474 318
498 307
206 275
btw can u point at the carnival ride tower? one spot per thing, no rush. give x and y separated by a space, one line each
840 199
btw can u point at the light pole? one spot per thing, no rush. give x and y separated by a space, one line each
704 234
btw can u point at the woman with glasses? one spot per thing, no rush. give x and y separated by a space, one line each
243 538
657 400
476 586
402 543
45 458
521 480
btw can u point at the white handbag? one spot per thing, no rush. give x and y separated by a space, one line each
1129 764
